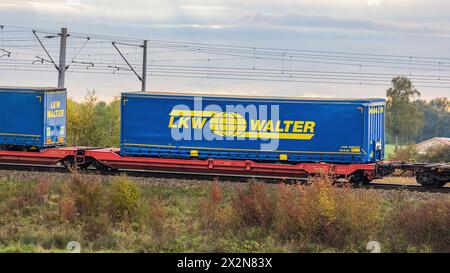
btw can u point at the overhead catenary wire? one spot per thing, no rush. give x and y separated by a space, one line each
117 38
200 68
223 52
218 61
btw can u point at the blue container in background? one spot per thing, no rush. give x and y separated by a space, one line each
32 117
256 128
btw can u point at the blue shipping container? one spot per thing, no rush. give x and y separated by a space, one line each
255 128
32 117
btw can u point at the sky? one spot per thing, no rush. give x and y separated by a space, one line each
399 27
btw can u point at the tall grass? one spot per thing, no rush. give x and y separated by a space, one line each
319 213
254 205
123 215
420 226
324 215
214 214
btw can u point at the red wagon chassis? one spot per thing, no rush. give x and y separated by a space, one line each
44 157
111 159
427 174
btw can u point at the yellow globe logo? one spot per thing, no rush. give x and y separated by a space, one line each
228 124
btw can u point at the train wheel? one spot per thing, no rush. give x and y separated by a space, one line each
71 165
100 167
68 164
429 180
359 178
83 166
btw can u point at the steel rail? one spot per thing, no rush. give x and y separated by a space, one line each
212 176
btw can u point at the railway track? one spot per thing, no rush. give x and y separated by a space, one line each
385 186
136 173
219 177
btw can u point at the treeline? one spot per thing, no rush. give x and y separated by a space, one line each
410 119
93 123
436 119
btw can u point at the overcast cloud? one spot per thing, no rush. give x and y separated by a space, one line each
407 27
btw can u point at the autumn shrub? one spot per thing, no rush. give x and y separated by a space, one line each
419 226
20 197
254 205
358 219
291 211
42 189
406 153
67 209
437 153
208 205
157 216
96 226
305 211
125 197
87 194
322 213
213 213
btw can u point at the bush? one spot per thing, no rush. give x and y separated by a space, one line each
125 198
42 189
87 194
420 226
317 214
305 211
208 206
406 153
67 209
438 153
157 216
20 197
254 205
213 213
94 227
251 217
358 219
321 213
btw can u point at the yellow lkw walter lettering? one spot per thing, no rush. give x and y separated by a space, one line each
55 113
55 104
235 125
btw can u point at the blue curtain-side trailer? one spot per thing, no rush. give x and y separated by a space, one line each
255 128
32 117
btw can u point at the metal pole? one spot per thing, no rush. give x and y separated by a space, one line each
144 68
62 58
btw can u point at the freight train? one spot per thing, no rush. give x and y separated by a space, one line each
213 134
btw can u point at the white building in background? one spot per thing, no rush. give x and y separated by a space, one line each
423 146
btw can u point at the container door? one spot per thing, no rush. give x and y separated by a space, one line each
376 132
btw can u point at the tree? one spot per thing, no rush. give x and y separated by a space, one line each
440 104
404 119
436 122
93 123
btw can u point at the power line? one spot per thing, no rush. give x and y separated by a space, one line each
93 55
